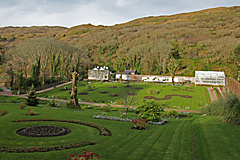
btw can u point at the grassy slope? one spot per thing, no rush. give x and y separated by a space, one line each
198 94
213 139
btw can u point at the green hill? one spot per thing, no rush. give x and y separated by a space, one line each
202 40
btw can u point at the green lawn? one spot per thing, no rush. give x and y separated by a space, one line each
185 138
198 94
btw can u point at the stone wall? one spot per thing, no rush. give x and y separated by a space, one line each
233 86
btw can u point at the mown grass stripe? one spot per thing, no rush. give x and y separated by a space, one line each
141 151
175 144
160 146
187 147
129 146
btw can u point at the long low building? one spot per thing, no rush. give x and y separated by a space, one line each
201 78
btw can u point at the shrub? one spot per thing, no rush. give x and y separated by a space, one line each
22 105
2 112
150 110
172 113
228 109
32 98
31 112
54 103
70 106
140 123
89 87
152 91
86 155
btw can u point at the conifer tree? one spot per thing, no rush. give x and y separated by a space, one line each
32 98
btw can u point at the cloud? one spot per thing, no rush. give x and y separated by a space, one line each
106 12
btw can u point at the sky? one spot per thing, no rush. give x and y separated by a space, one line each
69 13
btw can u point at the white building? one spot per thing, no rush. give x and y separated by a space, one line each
168 79
209 78
99 73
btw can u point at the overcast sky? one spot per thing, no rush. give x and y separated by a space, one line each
70 13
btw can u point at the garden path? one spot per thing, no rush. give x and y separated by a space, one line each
212 94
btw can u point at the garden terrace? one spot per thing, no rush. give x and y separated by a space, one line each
197 96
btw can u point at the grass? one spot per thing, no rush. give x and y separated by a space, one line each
185 138
198 94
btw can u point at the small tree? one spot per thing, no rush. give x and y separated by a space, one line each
150 110
32 98
128 96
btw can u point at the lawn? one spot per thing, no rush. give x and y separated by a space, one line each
198 94
195 137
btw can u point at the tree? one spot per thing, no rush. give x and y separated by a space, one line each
32 98
172 67
150 110
20 82
120 65
237 56
128 96
73 97
11 74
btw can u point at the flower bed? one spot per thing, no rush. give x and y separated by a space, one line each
102 130
3 112
126 119
44 148
43 131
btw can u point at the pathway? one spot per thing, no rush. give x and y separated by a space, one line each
212 94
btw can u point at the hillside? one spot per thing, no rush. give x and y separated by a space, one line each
202 40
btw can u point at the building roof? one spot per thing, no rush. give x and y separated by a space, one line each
128 72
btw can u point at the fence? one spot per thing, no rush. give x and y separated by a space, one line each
233 86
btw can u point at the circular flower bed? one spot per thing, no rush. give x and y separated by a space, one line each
139 88
104 92
128 86
64 89
113 87
43 131
114 95
103 131
167 97
83 93
132 94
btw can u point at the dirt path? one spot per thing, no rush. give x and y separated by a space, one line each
212 94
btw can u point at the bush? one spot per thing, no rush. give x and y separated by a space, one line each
22 105
70 106
2 112
140 123
54 103
152 91
150 110
31 112
228 109
172 113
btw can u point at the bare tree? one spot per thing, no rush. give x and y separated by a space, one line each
128 96
172 67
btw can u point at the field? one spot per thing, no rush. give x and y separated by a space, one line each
197 100
195 137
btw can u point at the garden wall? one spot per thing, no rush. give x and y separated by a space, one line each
233 86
